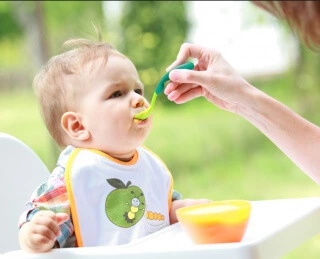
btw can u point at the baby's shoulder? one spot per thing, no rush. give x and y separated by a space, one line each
54 181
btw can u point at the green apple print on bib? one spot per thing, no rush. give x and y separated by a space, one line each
125 205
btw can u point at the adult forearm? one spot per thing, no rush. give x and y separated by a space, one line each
298 138
220 84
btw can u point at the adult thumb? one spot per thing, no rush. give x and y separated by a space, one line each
189 76
61 217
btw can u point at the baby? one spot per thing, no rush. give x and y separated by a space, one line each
107 189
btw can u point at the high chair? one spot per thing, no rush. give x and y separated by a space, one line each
21 172
275 228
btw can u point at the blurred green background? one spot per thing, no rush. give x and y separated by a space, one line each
211 153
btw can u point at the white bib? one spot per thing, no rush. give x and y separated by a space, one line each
114 202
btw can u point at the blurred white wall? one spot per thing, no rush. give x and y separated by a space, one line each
253 49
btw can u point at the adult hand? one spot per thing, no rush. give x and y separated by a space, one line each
217 81
213 78
40 234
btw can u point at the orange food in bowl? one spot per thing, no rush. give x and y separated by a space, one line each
215 222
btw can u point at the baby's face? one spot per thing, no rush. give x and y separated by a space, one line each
108 104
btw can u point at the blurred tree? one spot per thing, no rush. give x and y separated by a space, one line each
307 82
152 34
71 19
11 47
9 28
30 16
45 25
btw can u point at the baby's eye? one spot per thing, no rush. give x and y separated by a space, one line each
139 91
116 94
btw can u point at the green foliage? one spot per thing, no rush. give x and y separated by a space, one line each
153 32
13 57
62 20
20 117
9 28
71 19
307 74
20 20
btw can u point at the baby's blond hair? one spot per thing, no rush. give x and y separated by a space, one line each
56 84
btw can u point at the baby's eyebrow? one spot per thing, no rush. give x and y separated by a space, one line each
140 84
109 88
120 84
113 85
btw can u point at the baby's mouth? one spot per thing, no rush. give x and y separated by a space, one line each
138 121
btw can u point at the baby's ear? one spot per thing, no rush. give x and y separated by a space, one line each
71 124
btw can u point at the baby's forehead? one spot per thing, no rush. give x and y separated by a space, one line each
102 56
98 61
115 66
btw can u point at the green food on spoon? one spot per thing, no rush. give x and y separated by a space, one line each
160 87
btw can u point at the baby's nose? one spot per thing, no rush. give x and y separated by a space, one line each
138 102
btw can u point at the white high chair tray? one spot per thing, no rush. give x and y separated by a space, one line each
275 228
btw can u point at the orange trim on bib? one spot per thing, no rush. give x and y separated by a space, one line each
73 208
101 153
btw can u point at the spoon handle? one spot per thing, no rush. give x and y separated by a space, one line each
160 86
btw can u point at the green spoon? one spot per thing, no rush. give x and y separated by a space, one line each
160 87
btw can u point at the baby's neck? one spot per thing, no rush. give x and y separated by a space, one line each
124 159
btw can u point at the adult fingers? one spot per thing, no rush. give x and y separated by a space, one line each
185 94
202 78
186 51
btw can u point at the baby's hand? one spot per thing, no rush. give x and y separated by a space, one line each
40 233
183 203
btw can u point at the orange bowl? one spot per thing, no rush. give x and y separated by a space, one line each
215 222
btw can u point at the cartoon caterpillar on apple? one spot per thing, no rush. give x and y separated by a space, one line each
126 204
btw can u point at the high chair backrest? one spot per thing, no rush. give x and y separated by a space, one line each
21 171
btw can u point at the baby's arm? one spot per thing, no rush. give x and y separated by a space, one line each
40 233
176 204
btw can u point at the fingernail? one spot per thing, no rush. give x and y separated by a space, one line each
174 75
171 96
